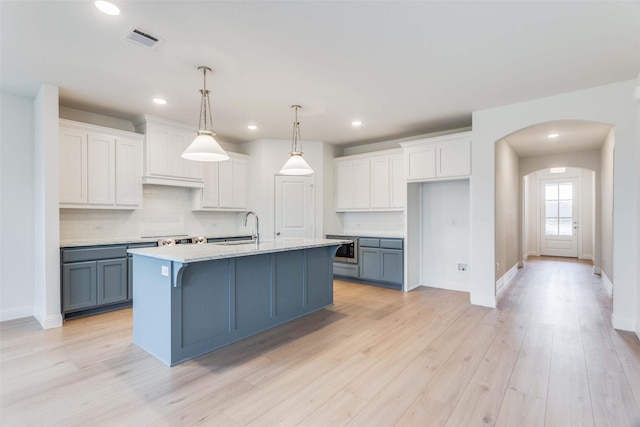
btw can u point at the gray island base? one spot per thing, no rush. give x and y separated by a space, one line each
192 299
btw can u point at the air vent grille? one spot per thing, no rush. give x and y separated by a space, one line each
142 39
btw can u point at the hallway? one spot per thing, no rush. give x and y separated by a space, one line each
588 373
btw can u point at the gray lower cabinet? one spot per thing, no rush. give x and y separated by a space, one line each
95 279
381 260
79 286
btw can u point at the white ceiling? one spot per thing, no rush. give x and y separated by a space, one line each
573 135
403 68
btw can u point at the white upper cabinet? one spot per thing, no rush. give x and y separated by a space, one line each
225 185
164 143
99 167
370 182
73 165
438 158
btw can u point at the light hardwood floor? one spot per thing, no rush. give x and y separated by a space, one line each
547 356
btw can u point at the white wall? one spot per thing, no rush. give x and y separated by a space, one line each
611 104
16 207
46 307
266 157
508 243
445 235
607 205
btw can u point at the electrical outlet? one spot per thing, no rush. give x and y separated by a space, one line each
462 266
164 270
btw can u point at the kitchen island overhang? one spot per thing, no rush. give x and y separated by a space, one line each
190 300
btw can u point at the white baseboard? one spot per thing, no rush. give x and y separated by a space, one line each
587 257
608 286
597 270
483 300
507 277
623 324
450 286
16 313
50 321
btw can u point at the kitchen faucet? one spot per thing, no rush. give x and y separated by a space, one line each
257 225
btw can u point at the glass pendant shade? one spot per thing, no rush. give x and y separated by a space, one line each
296 165
205 148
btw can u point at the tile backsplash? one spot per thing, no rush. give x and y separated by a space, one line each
166 211
373 223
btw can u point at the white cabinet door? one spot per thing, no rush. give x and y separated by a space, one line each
421 163
398 182
164 144
225 185
441 157
128 172
453 159
240 183
344 184
380 182
361 184
209 194
73 166
101 169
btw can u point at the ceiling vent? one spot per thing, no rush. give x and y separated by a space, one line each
141 38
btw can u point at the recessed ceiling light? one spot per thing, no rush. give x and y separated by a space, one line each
252 127
553 135
108 7
159 101
356 123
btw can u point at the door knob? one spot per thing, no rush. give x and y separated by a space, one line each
278 233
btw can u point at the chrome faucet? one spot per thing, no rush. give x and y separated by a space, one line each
257 225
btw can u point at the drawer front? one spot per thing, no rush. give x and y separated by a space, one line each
369 243
93 254
391 243
348 270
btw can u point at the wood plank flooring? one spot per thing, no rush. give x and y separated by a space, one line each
547 356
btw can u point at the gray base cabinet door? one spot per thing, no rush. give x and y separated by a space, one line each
369 264
391 263
79 285
112 281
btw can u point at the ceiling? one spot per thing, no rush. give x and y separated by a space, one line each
402 68
572 135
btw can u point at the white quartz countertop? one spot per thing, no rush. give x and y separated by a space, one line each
213 251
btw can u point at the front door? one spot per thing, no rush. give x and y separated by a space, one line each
559 221
294 207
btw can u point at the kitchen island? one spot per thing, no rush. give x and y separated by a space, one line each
192 299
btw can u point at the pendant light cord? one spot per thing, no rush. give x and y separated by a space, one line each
205 103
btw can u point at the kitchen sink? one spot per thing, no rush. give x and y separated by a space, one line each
236 242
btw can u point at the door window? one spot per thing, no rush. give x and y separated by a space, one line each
558 209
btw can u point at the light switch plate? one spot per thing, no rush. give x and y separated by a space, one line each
164 270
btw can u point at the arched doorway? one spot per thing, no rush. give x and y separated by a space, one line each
524 161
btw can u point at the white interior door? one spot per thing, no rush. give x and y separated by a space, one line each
558 217
294 207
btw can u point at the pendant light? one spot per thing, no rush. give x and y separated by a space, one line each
296 165
204 148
